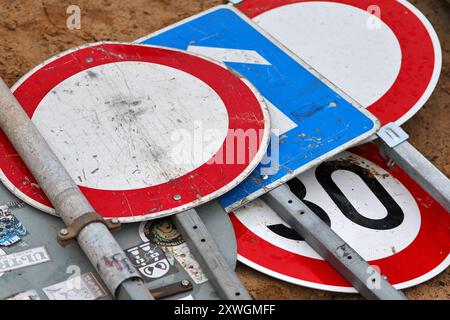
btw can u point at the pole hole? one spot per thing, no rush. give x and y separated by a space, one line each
290 201
203 240
194 227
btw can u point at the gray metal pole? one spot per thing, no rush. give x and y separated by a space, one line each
330 246
213 263
421 170
95 239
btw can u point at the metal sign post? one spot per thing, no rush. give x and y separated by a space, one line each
330 246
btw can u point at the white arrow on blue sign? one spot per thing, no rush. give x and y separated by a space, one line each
312 119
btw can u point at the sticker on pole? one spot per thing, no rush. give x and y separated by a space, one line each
385 54
382 213
311 119
144 131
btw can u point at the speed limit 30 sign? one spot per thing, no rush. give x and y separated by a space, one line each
379 211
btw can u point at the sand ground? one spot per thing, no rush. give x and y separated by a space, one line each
33 30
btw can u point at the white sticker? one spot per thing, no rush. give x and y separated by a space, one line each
84 287
26 295
23 259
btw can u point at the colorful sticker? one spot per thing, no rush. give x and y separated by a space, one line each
83 287
11 229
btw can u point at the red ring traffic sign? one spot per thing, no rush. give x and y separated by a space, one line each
390 67
144 131
382 213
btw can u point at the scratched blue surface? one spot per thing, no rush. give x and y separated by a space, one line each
290 87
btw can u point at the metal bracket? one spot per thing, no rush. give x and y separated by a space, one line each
66 235
392 134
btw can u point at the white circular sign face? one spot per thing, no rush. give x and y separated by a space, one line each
130 131
144 131
384 54
371 207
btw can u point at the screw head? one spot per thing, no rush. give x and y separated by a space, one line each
185 283
264 177
89 59
176 197
115 221
390 164
64 232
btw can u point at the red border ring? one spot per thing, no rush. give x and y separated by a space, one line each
238 95
418 42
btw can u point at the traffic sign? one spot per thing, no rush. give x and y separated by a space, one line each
385 54
311 119
144 131
379 211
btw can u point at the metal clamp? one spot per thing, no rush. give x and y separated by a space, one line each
392 134
70 233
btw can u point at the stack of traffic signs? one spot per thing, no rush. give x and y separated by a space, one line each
148 132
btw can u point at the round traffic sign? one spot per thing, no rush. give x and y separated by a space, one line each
384 54
382 213
144 131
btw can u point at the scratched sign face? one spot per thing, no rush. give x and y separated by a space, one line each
144 131
311 119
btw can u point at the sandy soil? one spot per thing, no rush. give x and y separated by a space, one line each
32 30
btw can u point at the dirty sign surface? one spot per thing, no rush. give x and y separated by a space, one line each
144 131
311 119
385 54
380 212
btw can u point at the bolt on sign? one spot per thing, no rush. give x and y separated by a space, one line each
144 131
